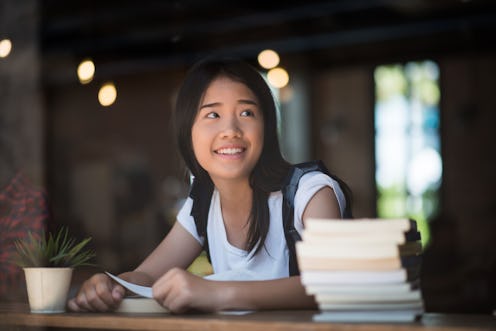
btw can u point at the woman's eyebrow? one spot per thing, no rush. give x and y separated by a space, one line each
209 105
247 102
241 101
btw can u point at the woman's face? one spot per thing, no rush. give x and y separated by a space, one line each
228 131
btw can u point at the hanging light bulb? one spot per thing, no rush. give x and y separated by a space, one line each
278 77
86 71
268 59
5 47
107 94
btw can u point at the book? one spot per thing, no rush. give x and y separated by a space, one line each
352 289
364 264
140 305
322 263
352 250
372 306
363 225
343 250
363 270
410 248
323 277
362 237
368 297
373 316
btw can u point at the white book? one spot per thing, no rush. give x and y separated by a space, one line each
363 225
342 289
394 316
375 237
351 251
368 297
376 306
348 264
309 277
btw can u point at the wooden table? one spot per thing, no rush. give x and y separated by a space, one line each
19 315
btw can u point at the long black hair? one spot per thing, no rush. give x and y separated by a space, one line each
270 170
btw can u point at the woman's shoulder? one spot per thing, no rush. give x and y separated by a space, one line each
316 178
312 182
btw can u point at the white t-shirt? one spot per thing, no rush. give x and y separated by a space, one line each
271 262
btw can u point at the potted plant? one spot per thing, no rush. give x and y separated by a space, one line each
48 262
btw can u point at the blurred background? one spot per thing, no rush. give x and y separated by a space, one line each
396 97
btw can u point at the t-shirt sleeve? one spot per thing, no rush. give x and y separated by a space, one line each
310 184
187 221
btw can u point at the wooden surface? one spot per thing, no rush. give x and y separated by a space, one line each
19 315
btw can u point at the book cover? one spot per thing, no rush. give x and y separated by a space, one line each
410 248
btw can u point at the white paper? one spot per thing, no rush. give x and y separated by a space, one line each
144 291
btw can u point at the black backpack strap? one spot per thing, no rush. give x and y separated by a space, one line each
202 196
290 186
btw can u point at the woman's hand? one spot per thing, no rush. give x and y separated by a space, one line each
179 291
98 293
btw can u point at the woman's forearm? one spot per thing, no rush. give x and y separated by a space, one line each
284 293
138 277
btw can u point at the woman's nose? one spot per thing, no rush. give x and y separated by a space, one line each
231 128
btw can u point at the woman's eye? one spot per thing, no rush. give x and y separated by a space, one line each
247 113
212 115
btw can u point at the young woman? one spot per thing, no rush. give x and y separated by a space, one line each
226 129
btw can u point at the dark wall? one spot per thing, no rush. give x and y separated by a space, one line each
113 172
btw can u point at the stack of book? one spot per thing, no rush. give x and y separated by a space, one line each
362 270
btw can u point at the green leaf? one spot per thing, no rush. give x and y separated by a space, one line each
59 250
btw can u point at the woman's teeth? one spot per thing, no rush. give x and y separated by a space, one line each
230 151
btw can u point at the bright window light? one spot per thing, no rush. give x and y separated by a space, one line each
407 140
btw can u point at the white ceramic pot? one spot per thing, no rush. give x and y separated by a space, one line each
47 289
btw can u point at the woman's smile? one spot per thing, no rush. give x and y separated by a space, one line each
230 152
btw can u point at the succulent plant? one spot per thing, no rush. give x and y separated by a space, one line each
53 251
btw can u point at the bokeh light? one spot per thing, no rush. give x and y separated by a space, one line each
107 94
278 77
86 71
5 47
268 59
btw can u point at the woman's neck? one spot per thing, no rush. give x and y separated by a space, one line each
236 199
236 202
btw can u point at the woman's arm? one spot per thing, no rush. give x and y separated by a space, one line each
322 205
100 293
180 291
177 250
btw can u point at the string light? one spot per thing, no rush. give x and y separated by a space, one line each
107 94
268 59
5 47
278 77
86 71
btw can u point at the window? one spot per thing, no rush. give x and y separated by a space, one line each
407 142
